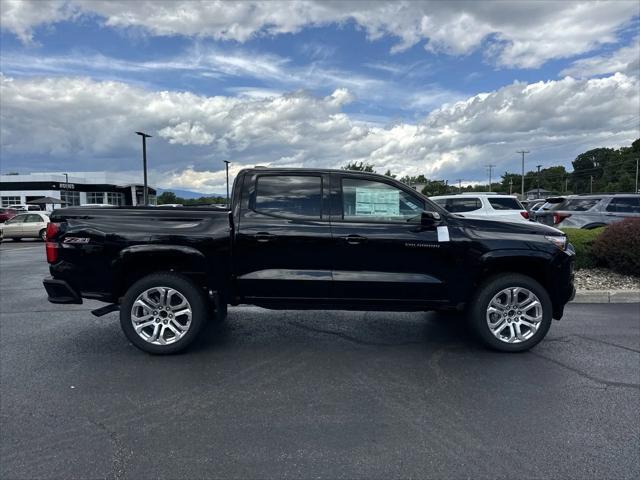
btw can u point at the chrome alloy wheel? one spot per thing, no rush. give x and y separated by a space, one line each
514 315
161 315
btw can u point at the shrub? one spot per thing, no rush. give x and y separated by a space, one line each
582 240
619 247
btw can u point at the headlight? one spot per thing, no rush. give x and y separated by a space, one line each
558 241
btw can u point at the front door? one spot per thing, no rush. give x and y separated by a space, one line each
383 252
283 242
13 227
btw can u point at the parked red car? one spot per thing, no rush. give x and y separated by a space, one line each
6 214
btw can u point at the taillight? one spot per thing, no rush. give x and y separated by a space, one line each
525 214
52 230
558 217
51 247
52 252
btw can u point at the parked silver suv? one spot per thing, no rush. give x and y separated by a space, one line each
592 211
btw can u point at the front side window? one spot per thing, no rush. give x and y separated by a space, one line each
294 196
366 200
505 203
624 205
17 219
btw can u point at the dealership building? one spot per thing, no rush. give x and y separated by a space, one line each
74 188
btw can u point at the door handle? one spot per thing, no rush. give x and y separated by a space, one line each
354 239
264 237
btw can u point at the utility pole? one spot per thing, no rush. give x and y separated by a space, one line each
144 165
538 179
522 152
460 185
510 186
637 176
590 183
566 184
226 162
66 188
490 167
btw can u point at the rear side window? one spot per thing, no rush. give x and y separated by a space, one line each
294 196
505 203
459 205
624 205
33 219
580 204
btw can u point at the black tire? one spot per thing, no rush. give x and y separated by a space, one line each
43 234
477 311
193 294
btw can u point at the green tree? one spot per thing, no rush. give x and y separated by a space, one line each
359 167
167 197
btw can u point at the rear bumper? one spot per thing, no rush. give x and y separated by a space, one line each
60 291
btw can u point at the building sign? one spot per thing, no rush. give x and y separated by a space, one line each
67 186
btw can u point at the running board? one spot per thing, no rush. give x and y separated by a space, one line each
99 312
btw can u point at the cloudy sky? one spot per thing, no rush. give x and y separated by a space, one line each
440 88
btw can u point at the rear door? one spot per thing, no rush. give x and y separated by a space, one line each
32 225
383 253
283 238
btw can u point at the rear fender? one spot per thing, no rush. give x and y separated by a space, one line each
132 263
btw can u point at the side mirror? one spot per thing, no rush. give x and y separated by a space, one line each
429 218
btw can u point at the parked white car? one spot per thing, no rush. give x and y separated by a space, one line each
488 206
25 225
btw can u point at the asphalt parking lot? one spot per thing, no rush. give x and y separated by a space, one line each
310 394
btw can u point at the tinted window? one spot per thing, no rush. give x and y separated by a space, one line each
376 201
505 203
289 196
459 205
580 204
624 205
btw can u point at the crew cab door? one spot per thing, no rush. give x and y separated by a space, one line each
283 238
383 252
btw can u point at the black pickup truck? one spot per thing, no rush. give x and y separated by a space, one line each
308 239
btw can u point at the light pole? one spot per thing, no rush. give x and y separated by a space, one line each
144 165
490 167
66 188
226 162
538 179
522 152
636 175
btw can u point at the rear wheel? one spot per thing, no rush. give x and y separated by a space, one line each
43 234
511 312
163 313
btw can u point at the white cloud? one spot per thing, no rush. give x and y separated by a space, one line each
83 124
624 60
513 34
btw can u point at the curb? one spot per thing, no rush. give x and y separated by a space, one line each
607 296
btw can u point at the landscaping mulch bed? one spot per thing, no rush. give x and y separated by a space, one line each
604 279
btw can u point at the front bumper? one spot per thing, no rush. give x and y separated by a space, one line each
60 291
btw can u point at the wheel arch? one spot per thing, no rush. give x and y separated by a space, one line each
138 261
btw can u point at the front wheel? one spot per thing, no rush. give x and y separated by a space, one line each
163 313
511 312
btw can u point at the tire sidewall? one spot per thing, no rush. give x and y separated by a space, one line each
178 282
478 309
43 234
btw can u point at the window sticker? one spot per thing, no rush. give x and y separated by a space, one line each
443 234
377 202
412 205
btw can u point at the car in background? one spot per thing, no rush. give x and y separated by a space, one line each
488 206
25 225
592 210
26 208
7 213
